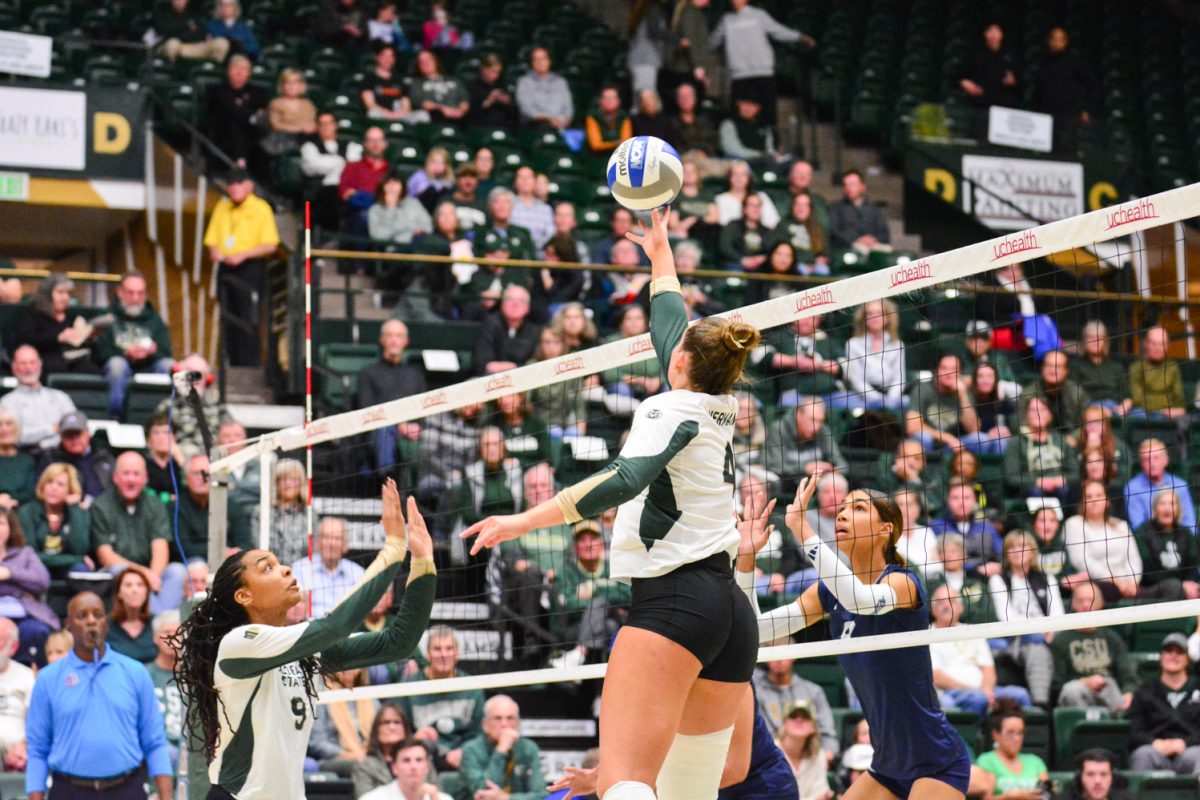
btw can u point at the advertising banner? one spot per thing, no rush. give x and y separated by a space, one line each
1015 193
1017 128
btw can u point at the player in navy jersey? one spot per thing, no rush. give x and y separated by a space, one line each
918 754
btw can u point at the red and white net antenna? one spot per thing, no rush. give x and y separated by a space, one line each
308 393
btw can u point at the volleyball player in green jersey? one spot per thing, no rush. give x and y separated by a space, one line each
249 679
681 665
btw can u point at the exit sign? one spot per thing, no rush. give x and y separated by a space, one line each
14 186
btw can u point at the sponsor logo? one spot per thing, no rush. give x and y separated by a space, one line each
569 364
637 153
623 163
251 633
1011 245
316 429
908 273
814 298
653 413
734 316
71 680
640 346
435 399
1127 215
373 416
499 382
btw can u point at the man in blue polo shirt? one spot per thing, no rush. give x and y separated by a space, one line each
93 720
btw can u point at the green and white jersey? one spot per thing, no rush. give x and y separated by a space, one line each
265 713
673 482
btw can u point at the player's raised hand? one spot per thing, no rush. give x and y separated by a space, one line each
804 492
419 540
494 530
393 521
655 240
754 524
577 781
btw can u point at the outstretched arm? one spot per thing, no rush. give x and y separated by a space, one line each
668 314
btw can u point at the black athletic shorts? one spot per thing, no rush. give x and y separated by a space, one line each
700 607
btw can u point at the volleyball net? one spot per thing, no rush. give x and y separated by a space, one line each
1025 401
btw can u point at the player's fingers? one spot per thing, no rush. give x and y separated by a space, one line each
474 529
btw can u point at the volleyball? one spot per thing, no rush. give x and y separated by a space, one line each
644 173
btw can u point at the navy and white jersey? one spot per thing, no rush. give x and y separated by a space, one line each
909 731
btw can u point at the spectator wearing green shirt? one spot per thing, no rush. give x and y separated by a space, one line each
802 359
448 719
500 764
1019 775
191 510
1039 462
130 526
1055 385
17 469
1155 382
586 602
162 672
1098 374
978 349
1092 666
56 525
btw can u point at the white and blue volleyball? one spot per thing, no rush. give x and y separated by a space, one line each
644 173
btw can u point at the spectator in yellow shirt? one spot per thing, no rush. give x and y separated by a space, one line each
241 236
1155 383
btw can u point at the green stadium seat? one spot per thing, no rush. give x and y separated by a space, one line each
1174 787
89 392
143 395
1148 636
826 673
1065 720
845 720
1111 734
1037 733
338 366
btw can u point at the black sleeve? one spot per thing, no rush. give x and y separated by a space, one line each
487 347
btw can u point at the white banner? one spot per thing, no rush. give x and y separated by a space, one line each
25 54
1017 128
997 190
40 128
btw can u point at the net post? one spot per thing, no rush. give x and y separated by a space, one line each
264 500
308 410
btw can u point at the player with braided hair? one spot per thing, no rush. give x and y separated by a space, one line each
248 678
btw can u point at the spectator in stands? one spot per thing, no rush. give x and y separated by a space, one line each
1170 555
485 165
492 484
390 378
745 34
288 538
803 359
779 689
504 238
551 288
620 222
322 159
37 408
389 729
340 24
130 528
410 768
800 744
93 465
469 204
805 443
1038 461
689 57
854 221
1101 547
1154 478
291 115
800 177
360 180
1095 778
693 213
874 368
1095 465
990 77
940 411
235 108
508 339
529 212
586 603
448 719
55 524
385 27
439 33
543 97
780 259
178 33
1016 774
993 412
972 588
430 286
500 764
137 341
16 688
188 437
912 473
577 329
23 582
918 544
1065 88
339 736
162 673
449 443
803 231
383 95
964 673
18 471
129 630
744 241
649 119
491 104
648 39
190 509
61 336
627 385
749 432
241 237
1066 398
692 131
244 491
565 224
118 717
525 433
964 465
328 575
741 185
228 24
1164 715
747 136
831 491
1100 376
396 217
978 349
983 545
443 97
607 124
1052 551
435 180
1155 385
1022 589
1092 666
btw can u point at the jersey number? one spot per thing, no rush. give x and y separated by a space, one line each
848 629
727 473
299 711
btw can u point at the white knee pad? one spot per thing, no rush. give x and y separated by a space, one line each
692 770
629 790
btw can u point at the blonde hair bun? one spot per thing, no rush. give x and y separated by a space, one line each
740 336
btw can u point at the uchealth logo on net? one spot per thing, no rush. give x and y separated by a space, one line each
569 364
911 272
372 416
316 429
499 382
1130 213
434 400
1012 245
814 298
640 346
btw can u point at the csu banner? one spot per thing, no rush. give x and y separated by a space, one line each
92 133
1014 193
